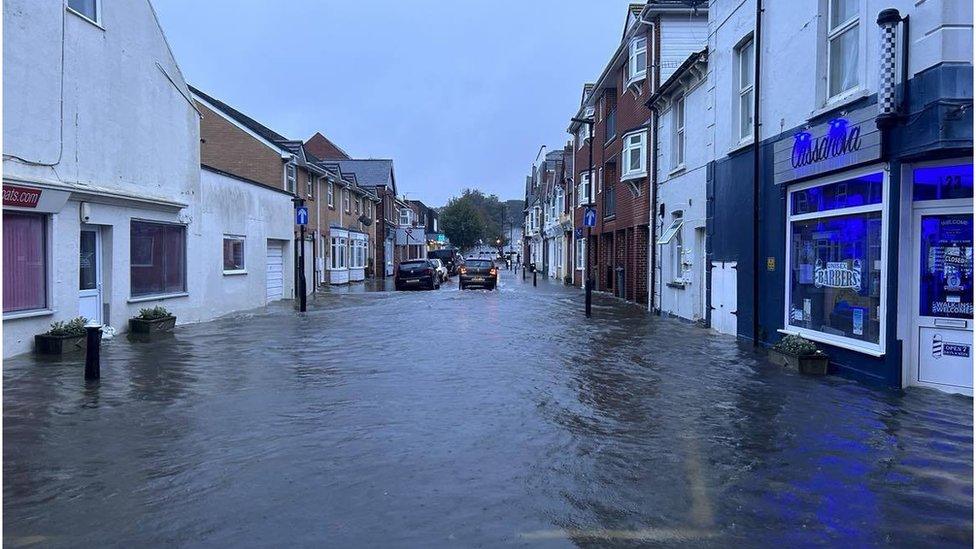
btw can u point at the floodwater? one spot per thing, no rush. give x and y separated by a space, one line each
471 419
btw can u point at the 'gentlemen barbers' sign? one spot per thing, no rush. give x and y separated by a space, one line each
840 143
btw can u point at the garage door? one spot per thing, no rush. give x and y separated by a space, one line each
276 254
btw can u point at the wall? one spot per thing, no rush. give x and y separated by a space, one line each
229 148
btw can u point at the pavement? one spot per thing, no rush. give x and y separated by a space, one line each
471 419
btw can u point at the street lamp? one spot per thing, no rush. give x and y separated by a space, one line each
587 281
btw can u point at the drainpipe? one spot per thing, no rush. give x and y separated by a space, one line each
756 175
653 218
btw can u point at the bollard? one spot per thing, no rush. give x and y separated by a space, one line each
523 272
535 277
93 344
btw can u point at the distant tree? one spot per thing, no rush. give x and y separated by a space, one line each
493 217
462 222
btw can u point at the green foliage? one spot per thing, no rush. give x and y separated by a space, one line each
154 313
71 328
796 345
476 216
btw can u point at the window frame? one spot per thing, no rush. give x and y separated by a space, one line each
97 20
330 194
148 296
747 43
47 258
580 260
291 178
627 172
241 240
584 183
346 205
312 181
404 218
833 33
872 349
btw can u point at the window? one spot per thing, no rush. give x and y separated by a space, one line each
745 61
610 128
330 194
580 254
290 177
311 185
842 46
157 258
637 59
24 261
835 260
634 155
581 135
404 216
583 189
609 194
345 200
678 133
86 8
233 253
359 205
338 259
677 250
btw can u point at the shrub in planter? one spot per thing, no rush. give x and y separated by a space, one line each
800 354
63 337
152 321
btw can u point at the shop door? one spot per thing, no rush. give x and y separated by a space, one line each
942 326
90 275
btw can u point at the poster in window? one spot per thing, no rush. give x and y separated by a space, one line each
946 270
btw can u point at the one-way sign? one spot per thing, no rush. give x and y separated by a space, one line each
301 215
589 217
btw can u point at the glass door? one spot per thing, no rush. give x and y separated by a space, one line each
90 275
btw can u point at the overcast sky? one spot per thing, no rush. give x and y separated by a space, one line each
459 93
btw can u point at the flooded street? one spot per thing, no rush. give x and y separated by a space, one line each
471 419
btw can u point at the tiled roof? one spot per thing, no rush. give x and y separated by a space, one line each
371 172
245 120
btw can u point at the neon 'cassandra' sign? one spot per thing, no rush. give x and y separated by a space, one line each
839 140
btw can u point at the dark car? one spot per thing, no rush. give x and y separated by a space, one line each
449 257
478 272
418 274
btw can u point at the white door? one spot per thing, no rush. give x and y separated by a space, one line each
90 274
942 305
275 270
388 254
724 295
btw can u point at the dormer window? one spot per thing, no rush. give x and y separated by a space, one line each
637 60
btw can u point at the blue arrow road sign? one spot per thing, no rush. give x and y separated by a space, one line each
301 216
589 217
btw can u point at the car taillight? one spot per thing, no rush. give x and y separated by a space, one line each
462 270
493 271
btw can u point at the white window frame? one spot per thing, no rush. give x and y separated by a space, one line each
852 24
97 21
635 73
345 200
583 190
628 171
330 194
582 134
235 238
580 254
312 180
405 217
876 350
291 178
678 133
745 88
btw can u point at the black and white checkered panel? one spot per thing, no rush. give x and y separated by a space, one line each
888 77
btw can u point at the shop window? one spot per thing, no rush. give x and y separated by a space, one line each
946 284
836 264
157 256
24 261
943 182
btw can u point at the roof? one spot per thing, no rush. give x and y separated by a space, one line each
322 147
371 172
667 87
243 119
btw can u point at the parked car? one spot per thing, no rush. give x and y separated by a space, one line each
450 257
416 274
478 272
440 268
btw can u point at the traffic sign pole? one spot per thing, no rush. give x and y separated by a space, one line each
301 218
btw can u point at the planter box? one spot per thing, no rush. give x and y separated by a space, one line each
810 364
154 326
46 344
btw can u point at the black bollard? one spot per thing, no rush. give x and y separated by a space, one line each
535 277
93 344
523 272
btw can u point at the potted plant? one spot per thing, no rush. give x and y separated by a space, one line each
63 337
152 321
799 353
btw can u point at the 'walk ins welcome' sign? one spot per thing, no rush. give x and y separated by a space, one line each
842 142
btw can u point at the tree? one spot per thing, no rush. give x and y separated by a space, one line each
493 217
462 222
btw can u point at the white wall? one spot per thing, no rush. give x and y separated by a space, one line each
680 36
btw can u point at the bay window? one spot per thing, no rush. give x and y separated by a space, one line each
634 155
233 254
338 253
157 258
637 59
24 261
836 262
843 48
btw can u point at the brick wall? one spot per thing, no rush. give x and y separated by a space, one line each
228 148
641 259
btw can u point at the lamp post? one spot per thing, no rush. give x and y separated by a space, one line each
587 281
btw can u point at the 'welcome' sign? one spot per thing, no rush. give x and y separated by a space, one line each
840 143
